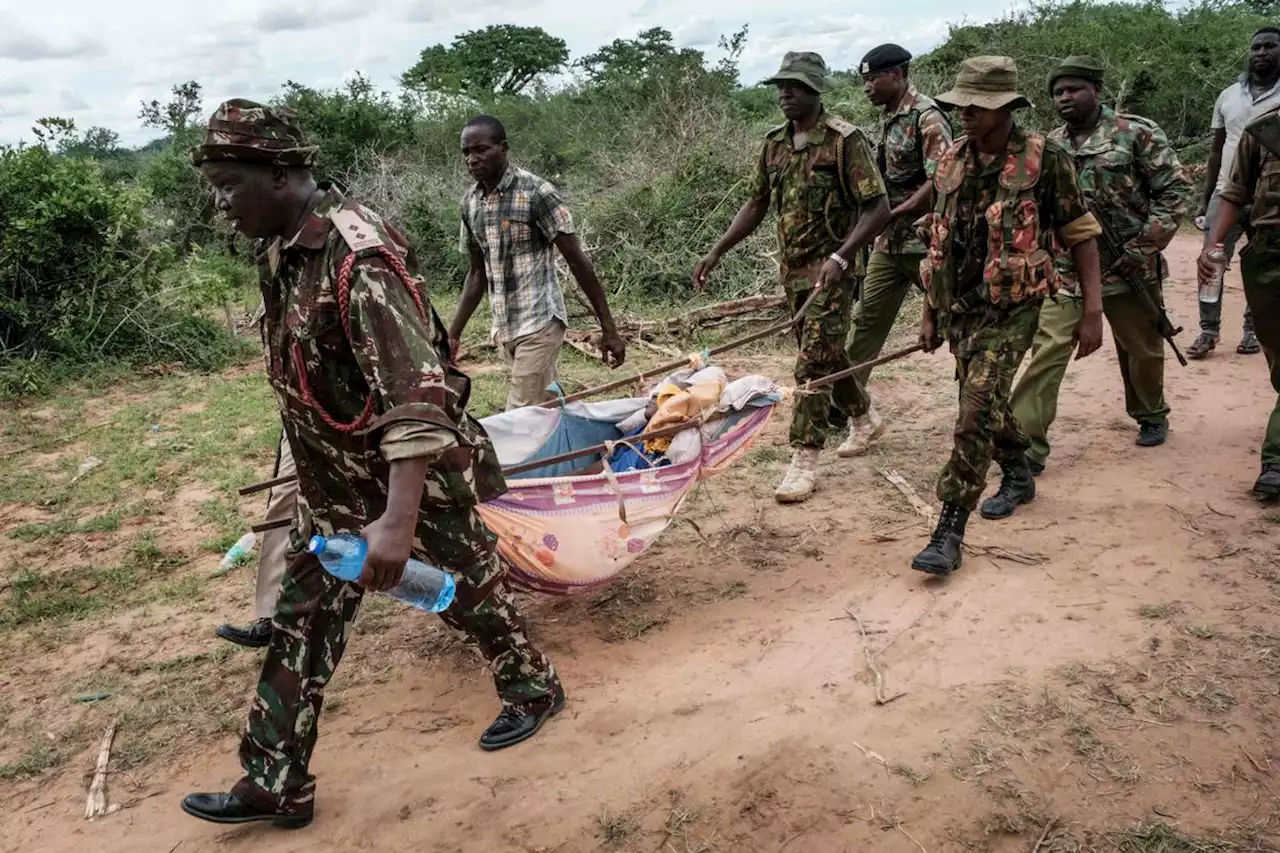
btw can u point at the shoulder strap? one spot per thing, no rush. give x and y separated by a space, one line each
360 235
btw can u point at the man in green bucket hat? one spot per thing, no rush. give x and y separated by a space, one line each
819 174
1004 201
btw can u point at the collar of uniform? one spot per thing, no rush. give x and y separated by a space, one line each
909 103
1099 138
315 230
508 178
974 166
817 134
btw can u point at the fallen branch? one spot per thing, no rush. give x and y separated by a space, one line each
96 806
1048 827
871 662
917 503
1024 557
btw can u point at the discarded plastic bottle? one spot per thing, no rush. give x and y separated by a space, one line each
425 587
243 546
1211 290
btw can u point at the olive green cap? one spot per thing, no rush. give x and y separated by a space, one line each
1083 67
807 68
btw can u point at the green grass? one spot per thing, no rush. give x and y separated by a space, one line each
38 757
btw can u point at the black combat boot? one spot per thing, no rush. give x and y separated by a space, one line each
942 555
1267 487
1017 487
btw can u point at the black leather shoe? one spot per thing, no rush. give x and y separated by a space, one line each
255 635
510 728
1267 487
943 553
1017 487
228 808
1152 435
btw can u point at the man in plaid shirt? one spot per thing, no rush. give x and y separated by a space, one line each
511 219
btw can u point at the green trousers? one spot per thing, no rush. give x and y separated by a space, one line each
1139 351
889 279
1260 269
820 414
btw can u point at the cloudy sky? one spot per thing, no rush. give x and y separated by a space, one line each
94 61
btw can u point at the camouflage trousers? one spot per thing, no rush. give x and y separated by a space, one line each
1260 270
988 347
313 616
823 412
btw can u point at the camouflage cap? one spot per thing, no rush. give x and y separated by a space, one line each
807 68
249 132
1083 67
989 82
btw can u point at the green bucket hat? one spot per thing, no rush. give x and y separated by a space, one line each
990 82
1083 67
807 68
249 132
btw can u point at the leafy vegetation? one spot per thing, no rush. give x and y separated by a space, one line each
115 256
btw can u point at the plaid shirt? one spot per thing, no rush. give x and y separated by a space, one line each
514 227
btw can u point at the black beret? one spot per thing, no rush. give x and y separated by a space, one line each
883 58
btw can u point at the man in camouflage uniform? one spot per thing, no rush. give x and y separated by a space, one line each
819 174
1139 191
913 135
1253 185
383 445
1005 199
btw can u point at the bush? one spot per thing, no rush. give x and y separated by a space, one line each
77 281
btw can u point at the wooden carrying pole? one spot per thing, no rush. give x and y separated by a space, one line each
681 362
596 449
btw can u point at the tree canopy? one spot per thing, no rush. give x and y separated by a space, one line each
503 59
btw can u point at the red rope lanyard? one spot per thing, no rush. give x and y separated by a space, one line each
344 309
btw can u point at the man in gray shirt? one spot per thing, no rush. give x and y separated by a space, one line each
1257 91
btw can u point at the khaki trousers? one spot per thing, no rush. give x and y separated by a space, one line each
281 504
533 365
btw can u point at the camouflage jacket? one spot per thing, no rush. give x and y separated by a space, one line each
1254 181
391 361
817 206
1137 187
996 227
911 141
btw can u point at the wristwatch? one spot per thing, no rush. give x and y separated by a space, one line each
844 265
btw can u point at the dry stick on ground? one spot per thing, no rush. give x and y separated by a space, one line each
96 806
898 826
871 663
1048 827
59 440
900 483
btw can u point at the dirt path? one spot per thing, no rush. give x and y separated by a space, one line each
720 700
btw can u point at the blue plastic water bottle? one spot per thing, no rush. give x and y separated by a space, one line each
425 587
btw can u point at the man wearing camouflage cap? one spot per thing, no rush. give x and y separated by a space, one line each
819 174
1139 192
913 135
1005 198
384 448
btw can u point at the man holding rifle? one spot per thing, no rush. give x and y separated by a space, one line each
1138 191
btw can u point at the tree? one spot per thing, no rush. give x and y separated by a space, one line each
502 59
350 121
178 115
651 53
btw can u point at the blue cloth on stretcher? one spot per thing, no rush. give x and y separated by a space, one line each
628 458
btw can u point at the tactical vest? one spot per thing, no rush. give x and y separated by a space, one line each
1018 266
834 199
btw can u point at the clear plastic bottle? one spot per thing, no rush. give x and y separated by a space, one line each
1211 290
237 551
425 587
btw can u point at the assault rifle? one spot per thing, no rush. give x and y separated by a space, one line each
1114 251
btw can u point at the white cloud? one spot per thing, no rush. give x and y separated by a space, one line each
114 55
